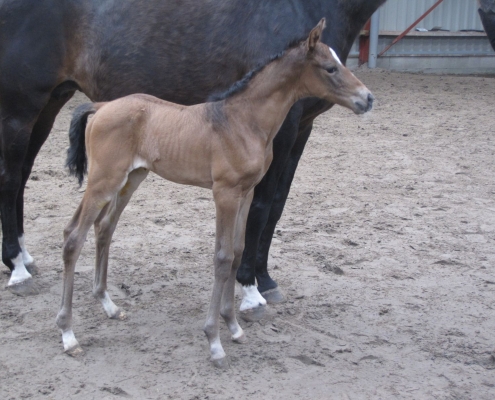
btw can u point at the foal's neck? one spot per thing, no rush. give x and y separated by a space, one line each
269 96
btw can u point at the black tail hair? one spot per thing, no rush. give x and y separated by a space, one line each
77 161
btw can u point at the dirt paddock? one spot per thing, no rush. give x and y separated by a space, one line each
385 252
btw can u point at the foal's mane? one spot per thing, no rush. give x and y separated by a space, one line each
242 83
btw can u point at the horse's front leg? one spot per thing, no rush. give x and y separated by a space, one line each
266 285
228 205
253 304
228 299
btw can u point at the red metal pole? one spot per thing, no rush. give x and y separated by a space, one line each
364 44
398 38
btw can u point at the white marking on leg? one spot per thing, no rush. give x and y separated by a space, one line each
110 308
238 334
69 340
216 350
20 273
251 298
334 54
26 257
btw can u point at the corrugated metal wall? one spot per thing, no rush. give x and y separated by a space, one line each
453 51
454 15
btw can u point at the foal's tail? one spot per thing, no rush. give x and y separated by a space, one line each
77 161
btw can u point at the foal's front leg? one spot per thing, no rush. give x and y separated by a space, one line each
228 299
228 204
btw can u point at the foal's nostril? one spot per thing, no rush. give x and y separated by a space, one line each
360 106
371 98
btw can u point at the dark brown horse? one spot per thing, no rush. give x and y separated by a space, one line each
181 51
487 15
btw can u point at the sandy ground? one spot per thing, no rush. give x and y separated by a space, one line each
385 253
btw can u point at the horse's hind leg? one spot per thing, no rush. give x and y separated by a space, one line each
15 136
25 123
38 137
227 310
104 228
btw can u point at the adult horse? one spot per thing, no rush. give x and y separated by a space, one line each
181 51
487 15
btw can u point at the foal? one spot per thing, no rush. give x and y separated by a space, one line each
224 145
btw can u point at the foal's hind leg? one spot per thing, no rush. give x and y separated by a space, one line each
98 194
104 228
74 237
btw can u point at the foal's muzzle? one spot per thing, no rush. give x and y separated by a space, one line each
366 105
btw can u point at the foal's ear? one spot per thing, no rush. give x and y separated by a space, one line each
315 34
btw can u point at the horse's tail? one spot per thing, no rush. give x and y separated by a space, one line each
77 161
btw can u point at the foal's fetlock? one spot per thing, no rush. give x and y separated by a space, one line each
109 306
71 345
221 363
239 337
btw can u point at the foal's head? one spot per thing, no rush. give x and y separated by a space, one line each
325 76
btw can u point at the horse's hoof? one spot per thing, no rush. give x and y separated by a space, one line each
253 314
221 363
24 288
120 315
33 269
75 351
273 296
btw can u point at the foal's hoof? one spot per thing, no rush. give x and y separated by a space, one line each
240 339
119 315
33 269
25 288
253 314
273 296
221 363
75 351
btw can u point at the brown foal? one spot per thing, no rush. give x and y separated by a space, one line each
225 146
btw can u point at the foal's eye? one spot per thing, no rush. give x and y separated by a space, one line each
332 70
